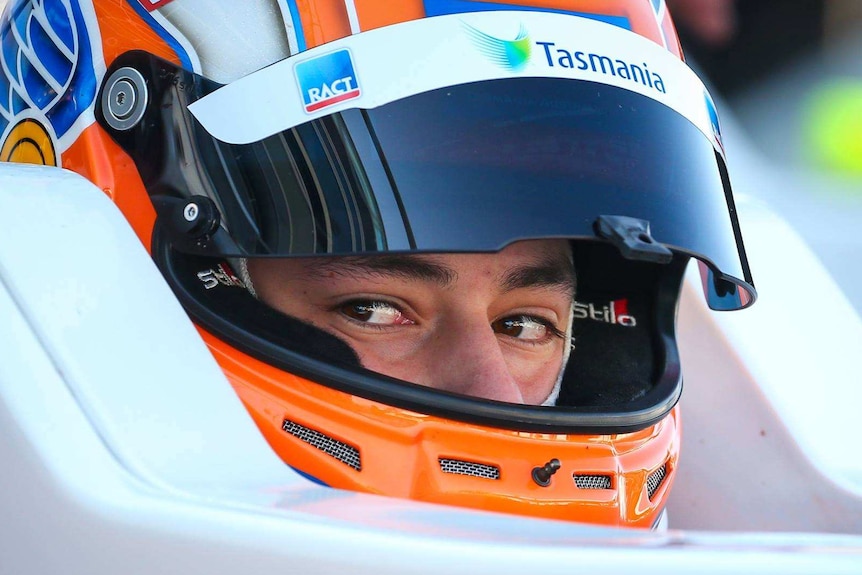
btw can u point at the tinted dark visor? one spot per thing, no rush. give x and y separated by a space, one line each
467 168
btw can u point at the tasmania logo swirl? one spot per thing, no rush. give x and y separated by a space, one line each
510 54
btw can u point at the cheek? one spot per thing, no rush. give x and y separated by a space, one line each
536 376
286 297
401 358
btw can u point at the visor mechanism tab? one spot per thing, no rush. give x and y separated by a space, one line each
632 237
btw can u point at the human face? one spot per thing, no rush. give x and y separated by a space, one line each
485 325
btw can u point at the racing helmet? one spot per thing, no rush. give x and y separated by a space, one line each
228 132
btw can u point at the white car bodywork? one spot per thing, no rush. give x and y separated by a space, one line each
124 448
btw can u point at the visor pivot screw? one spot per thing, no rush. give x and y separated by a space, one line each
542 475
200 217
124 99
190 213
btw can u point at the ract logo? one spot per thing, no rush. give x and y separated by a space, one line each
327 80
615 312
510 54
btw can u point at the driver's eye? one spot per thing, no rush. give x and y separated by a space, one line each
526 328
375 312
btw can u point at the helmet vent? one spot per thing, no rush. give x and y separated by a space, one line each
458 467
655 479
346 454
592 481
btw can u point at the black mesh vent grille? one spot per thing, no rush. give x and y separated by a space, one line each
341 451
458 467
592 481
655 479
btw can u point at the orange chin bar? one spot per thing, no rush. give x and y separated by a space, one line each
353 443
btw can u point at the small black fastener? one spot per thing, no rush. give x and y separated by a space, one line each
542 475
632 238
198 217
188 221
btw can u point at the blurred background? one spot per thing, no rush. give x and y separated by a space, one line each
788 77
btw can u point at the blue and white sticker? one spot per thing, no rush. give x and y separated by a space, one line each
443 51
327 80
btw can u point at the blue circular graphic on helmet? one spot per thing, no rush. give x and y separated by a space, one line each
47 63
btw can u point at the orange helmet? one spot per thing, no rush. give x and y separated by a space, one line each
281 128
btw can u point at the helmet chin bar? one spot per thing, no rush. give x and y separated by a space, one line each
343 425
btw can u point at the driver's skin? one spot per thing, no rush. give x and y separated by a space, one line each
494 326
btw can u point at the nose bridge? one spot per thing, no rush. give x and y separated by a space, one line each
474 363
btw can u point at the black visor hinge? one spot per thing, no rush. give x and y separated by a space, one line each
632 237
192 224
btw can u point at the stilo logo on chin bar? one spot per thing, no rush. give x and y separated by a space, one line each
615 312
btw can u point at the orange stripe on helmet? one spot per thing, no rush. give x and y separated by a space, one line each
378 13
98 158
123 30
323 21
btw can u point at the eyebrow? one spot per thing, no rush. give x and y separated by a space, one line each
407 267
556 273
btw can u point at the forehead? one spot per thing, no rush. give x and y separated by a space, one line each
545 261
